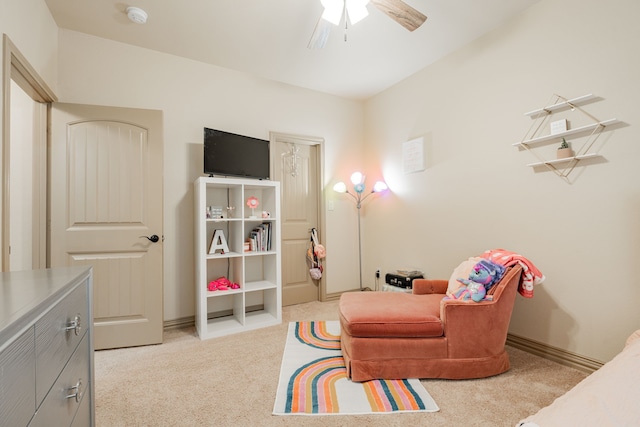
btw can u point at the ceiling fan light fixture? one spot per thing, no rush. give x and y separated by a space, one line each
357 10
332 10
137 15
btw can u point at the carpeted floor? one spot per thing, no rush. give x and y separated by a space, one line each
231 381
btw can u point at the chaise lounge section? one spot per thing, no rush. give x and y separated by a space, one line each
392 335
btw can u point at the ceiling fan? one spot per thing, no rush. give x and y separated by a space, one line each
355 10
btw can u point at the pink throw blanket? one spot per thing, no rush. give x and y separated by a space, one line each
530 273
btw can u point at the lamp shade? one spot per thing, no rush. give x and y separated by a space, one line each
357 10
357 178
332 10
340 187
380 186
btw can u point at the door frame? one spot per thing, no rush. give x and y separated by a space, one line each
16 67
318 143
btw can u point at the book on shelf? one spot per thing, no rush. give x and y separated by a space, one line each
259 239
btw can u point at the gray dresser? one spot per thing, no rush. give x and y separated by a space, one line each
46 348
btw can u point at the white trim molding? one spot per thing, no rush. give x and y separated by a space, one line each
554 354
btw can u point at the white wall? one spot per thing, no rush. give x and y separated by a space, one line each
22 180
477 192
193 95
30 27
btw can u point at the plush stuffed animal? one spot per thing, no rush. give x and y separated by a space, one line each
482 277
474 291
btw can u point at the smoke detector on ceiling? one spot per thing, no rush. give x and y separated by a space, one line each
137 15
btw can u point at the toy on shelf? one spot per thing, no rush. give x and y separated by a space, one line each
222 284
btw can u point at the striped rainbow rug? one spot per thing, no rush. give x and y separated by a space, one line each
313 379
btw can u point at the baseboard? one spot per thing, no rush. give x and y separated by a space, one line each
555 354
332 297
184 322
336 295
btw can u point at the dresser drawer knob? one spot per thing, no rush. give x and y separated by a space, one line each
76 391
74 325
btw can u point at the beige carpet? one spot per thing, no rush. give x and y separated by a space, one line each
231 381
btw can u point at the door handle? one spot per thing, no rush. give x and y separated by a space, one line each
153 238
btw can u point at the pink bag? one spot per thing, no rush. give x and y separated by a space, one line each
316 273
315 252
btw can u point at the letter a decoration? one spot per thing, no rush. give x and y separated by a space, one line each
218 242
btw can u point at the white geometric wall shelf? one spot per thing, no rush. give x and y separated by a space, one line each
587 130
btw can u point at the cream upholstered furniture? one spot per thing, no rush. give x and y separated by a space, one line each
389 335
608 397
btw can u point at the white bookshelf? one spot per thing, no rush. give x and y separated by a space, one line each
258 301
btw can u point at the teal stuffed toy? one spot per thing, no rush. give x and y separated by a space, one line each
482 277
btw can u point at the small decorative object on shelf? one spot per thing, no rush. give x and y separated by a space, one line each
218 243
564 151
230 210
558 126
253 203
222 284
214 212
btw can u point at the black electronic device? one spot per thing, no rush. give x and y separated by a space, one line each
400 280
229 154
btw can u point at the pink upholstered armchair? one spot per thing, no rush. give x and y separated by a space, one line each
392 335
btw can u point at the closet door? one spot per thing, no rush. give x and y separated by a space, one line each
296 167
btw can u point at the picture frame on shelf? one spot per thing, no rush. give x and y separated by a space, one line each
214 212
558 126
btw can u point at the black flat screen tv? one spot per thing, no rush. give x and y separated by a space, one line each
228 154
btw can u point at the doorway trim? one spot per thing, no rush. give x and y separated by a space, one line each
16 67
275 137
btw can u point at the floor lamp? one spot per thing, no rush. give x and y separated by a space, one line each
359 196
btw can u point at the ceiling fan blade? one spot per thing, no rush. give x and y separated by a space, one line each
320 34
401 12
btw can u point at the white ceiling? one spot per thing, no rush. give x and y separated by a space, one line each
268 38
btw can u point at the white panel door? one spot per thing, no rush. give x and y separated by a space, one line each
106 211
296 167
